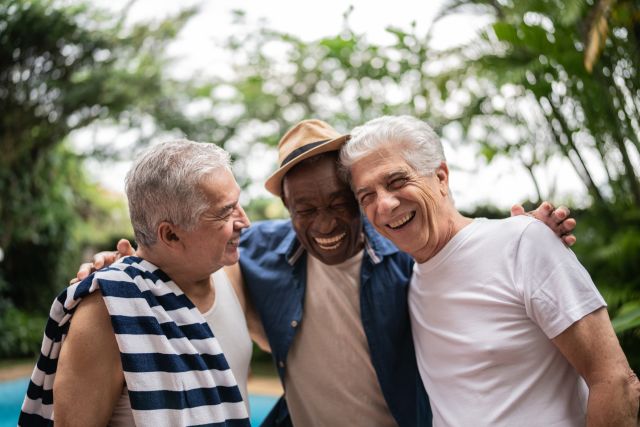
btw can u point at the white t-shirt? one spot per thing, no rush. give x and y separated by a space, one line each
226 320
483 311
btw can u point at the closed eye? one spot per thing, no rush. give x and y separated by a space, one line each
397 183
305 211
365 199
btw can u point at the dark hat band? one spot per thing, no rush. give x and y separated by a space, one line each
299 151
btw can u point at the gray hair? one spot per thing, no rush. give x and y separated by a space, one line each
412 138
164 184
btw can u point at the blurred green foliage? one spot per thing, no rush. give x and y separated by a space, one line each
545 79
64 66
21 333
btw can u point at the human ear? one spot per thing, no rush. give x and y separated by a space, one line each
168 234
442 173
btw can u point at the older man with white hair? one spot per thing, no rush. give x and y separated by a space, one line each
507 324
139 343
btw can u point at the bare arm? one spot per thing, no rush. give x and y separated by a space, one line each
256 330
592 347
89 377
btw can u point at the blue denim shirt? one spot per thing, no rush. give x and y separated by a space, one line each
273 264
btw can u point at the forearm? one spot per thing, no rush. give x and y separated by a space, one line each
254 324
613 402
256 331
592 347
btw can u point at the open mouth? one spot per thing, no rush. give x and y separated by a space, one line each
402 221
330 243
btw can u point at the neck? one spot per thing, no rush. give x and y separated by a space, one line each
199 289
452 223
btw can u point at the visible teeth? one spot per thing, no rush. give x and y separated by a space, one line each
401 221
330 240
330 243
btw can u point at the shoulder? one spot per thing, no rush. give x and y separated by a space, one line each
279 226
502 232
91 321
266 233
537 235
523 238
90 305
514 225
266 241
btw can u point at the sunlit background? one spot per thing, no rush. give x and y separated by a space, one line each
534 99
200 51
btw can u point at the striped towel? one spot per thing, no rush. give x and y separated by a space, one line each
174 368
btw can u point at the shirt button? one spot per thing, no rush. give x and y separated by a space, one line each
281 363
294 323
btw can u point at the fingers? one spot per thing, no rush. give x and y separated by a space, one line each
517 210
543 213
84 270
98 260
561 213
569 239
566 225
124 248
103 259
545 209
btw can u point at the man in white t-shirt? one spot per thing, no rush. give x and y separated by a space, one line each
508 327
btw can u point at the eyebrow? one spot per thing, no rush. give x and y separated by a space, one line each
361 190
396 174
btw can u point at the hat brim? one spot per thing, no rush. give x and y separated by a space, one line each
273 184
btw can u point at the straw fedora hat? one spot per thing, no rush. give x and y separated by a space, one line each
306 139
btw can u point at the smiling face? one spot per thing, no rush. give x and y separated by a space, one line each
410 210
323 211
213 243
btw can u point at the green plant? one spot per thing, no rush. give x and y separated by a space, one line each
20 332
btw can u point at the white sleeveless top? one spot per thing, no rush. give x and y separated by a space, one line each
226 320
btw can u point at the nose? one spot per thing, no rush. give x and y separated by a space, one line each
387 202
325 222
241 221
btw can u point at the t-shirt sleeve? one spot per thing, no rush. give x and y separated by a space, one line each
556 288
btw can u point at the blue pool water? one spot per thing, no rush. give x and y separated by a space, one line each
12 393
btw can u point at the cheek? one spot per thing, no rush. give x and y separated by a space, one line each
428 205
300 226
370 211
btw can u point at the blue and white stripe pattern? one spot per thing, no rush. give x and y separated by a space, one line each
173 365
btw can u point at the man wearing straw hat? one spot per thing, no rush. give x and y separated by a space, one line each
329 296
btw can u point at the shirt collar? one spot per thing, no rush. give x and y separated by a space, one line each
377 246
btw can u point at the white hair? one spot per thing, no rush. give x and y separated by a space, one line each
164 184
412 138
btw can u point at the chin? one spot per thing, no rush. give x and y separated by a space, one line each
231 259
